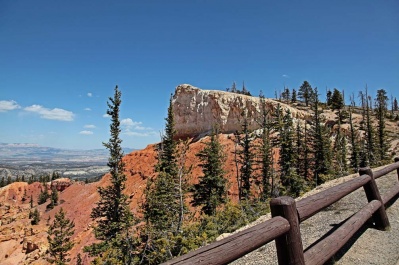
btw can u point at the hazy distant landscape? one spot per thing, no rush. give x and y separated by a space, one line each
31 159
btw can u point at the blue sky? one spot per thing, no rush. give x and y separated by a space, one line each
60 60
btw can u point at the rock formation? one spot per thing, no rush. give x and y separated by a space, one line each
196 111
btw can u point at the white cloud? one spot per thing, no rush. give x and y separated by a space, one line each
106 115
139 134
286 76
89 95
88 109
90 126
86 132
51 114
130 123
129 126
6 105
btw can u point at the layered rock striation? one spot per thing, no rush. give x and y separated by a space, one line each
197 111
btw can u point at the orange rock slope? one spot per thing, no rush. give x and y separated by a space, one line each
23 243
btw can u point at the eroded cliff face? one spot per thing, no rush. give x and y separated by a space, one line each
196 111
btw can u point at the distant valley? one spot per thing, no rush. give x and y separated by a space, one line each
29 159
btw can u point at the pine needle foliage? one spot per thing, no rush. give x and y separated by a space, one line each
162 206
59 239
210 192
112 212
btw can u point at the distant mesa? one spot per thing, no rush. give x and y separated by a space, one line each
196 111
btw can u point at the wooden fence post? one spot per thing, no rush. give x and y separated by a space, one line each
289 246
380 216
397 160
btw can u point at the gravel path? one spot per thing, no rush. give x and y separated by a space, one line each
368 247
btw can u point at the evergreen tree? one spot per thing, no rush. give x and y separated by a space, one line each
245 159
53 198
286 94
337 103
59 239
9 180
31 201
395 105
112 213
35 217
162 206
306 93
302 152
293 96
290 180
370 145
43 195
354 136
79 260
328 97
210 192
381 109
2 182
265 151
341 162
321 145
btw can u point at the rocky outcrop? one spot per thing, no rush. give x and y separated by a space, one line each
196 111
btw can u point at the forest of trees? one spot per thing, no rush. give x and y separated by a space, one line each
287 156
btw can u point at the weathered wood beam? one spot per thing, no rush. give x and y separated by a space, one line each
236 245
311 205
326 248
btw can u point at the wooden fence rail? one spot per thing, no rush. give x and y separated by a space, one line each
285 230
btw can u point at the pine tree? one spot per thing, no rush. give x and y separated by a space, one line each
43 195
35 217
112 213
293 96
395 104
321 145
306 93
59 239
245 159
354 138
53 198
289 178
301 152
370 144
328 97
337 103
381 104
341 162
79 260
162 206
265 151
2 182
211 192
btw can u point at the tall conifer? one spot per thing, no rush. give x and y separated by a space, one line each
112 213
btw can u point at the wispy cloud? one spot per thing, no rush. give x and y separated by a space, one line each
286 76
140 134
51 114
90 126
6 105
89 94
130 123
88 109
86 132
106 115
129 127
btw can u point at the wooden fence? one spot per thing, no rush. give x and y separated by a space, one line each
287 215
